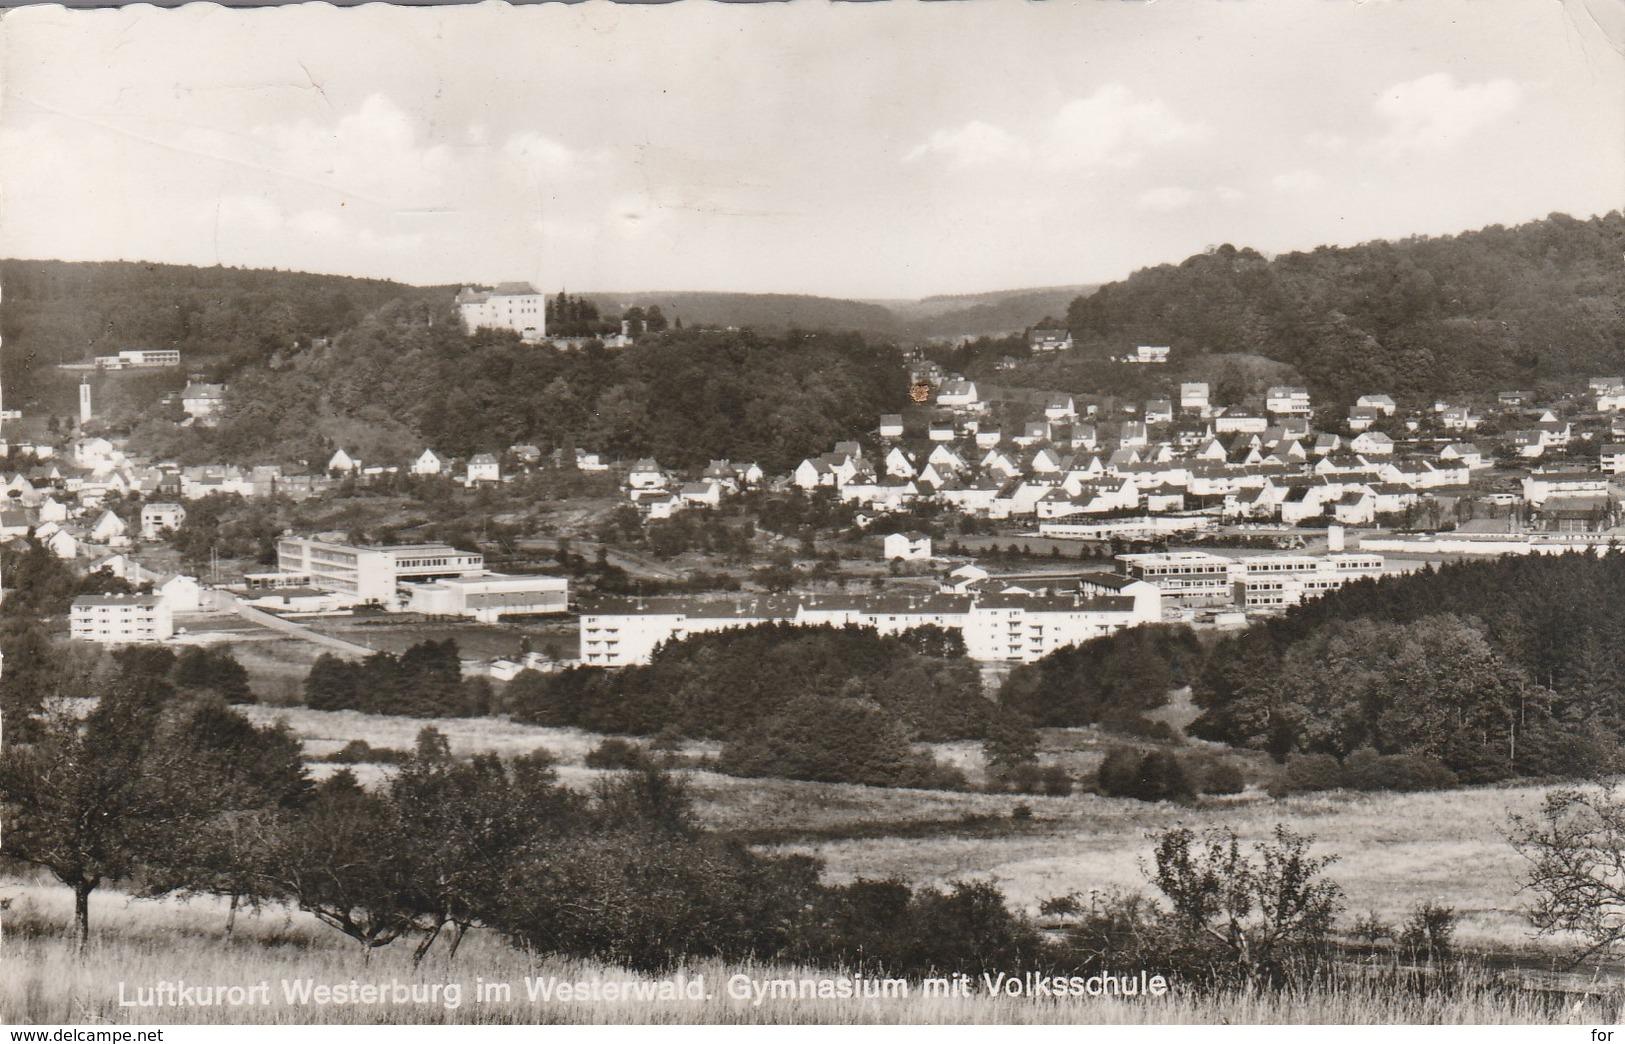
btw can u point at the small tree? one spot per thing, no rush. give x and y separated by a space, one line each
339 860
1011 742
1262 910
1576 851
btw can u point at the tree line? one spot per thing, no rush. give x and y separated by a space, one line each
1491 669
425 681
818 703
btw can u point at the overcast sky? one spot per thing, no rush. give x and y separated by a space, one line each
866 150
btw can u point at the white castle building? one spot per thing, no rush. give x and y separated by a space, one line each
506 306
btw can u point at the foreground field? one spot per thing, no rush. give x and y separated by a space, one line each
138 944
1394 850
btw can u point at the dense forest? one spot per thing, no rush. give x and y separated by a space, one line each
1534 305
399 381
221 319
1493 669
801 702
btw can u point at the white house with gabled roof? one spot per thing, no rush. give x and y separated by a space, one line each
428 463
483 467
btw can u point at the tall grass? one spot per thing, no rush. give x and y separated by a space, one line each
139 943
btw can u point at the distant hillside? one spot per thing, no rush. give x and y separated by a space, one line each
943 304
983 315
220 318
1541 303
765 312
960 315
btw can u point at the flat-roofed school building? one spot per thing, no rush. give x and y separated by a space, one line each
372 573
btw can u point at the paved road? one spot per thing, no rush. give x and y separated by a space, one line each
230 603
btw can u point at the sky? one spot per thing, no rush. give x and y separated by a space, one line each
876 150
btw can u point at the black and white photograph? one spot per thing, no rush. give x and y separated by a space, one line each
952 513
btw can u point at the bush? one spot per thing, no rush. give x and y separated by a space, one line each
884 927
1365 769
835 741
1427 935
616 753
1307 772
1155 776
1116 775
359 752
1217 776
1032 778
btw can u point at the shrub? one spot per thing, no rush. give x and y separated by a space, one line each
835 741
1032 778
1117 773
1219 777
1156 776
1312 772
1371 929
359 751
1427 934
616 753
1365 769
1272 911
885 927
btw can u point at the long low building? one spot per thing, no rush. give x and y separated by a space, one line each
1195 578
490 597
1009 628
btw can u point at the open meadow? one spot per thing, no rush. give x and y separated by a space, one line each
1394 851
137 944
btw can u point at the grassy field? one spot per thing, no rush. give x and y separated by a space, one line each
1394 850
138 944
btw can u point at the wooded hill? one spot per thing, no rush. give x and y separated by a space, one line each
1495 669
1535 305
406 377
220 318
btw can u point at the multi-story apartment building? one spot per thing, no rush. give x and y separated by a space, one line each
1003 626
120 619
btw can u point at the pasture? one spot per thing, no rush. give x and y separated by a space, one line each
138 944
1393 851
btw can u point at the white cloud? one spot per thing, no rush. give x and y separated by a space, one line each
1300 180
377 152
975 144
1434 113
257 219
1167 198
541 154
1114 128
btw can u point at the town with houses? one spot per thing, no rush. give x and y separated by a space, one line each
1346 490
